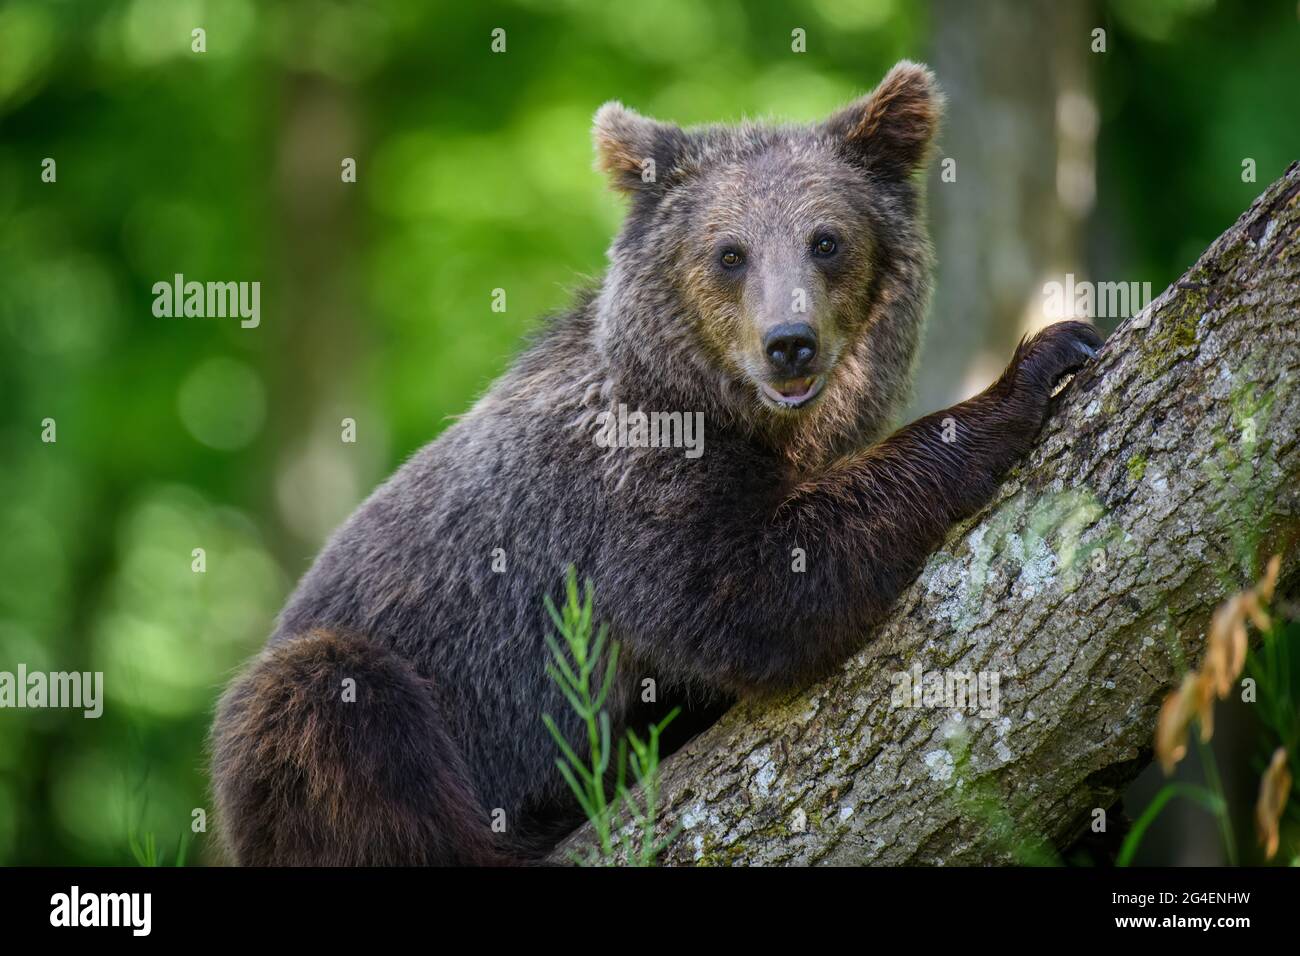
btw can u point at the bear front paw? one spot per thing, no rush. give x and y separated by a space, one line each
1057 351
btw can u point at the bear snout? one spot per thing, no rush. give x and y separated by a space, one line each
790 349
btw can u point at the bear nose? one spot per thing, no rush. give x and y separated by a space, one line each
790 348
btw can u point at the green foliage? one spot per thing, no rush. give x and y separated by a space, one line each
1211 801
474 173
1273 667
147 852
1176 72
584 668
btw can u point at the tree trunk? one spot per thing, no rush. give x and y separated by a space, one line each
1020 126
1169 468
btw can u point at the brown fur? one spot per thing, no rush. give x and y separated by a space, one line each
378 791
690 559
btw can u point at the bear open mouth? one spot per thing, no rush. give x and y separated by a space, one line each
793 392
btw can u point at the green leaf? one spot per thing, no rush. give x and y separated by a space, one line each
1168 792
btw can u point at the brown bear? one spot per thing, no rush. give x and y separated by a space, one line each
769 282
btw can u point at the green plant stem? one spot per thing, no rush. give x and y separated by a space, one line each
1221 810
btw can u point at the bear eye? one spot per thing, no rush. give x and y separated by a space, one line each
824 246
731 258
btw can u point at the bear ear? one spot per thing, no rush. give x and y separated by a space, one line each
635 152
890 129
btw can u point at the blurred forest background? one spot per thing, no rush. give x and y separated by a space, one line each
474 172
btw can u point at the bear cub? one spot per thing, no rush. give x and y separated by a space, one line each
771 279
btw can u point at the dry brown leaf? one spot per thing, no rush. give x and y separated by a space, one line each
1274 789
1265 587
1171 727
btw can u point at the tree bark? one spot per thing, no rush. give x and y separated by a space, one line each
1168 470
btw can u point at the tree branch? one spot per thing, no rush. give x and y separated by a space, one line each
1168 470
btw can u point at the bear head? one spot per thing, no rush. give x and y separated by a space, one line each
775 277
